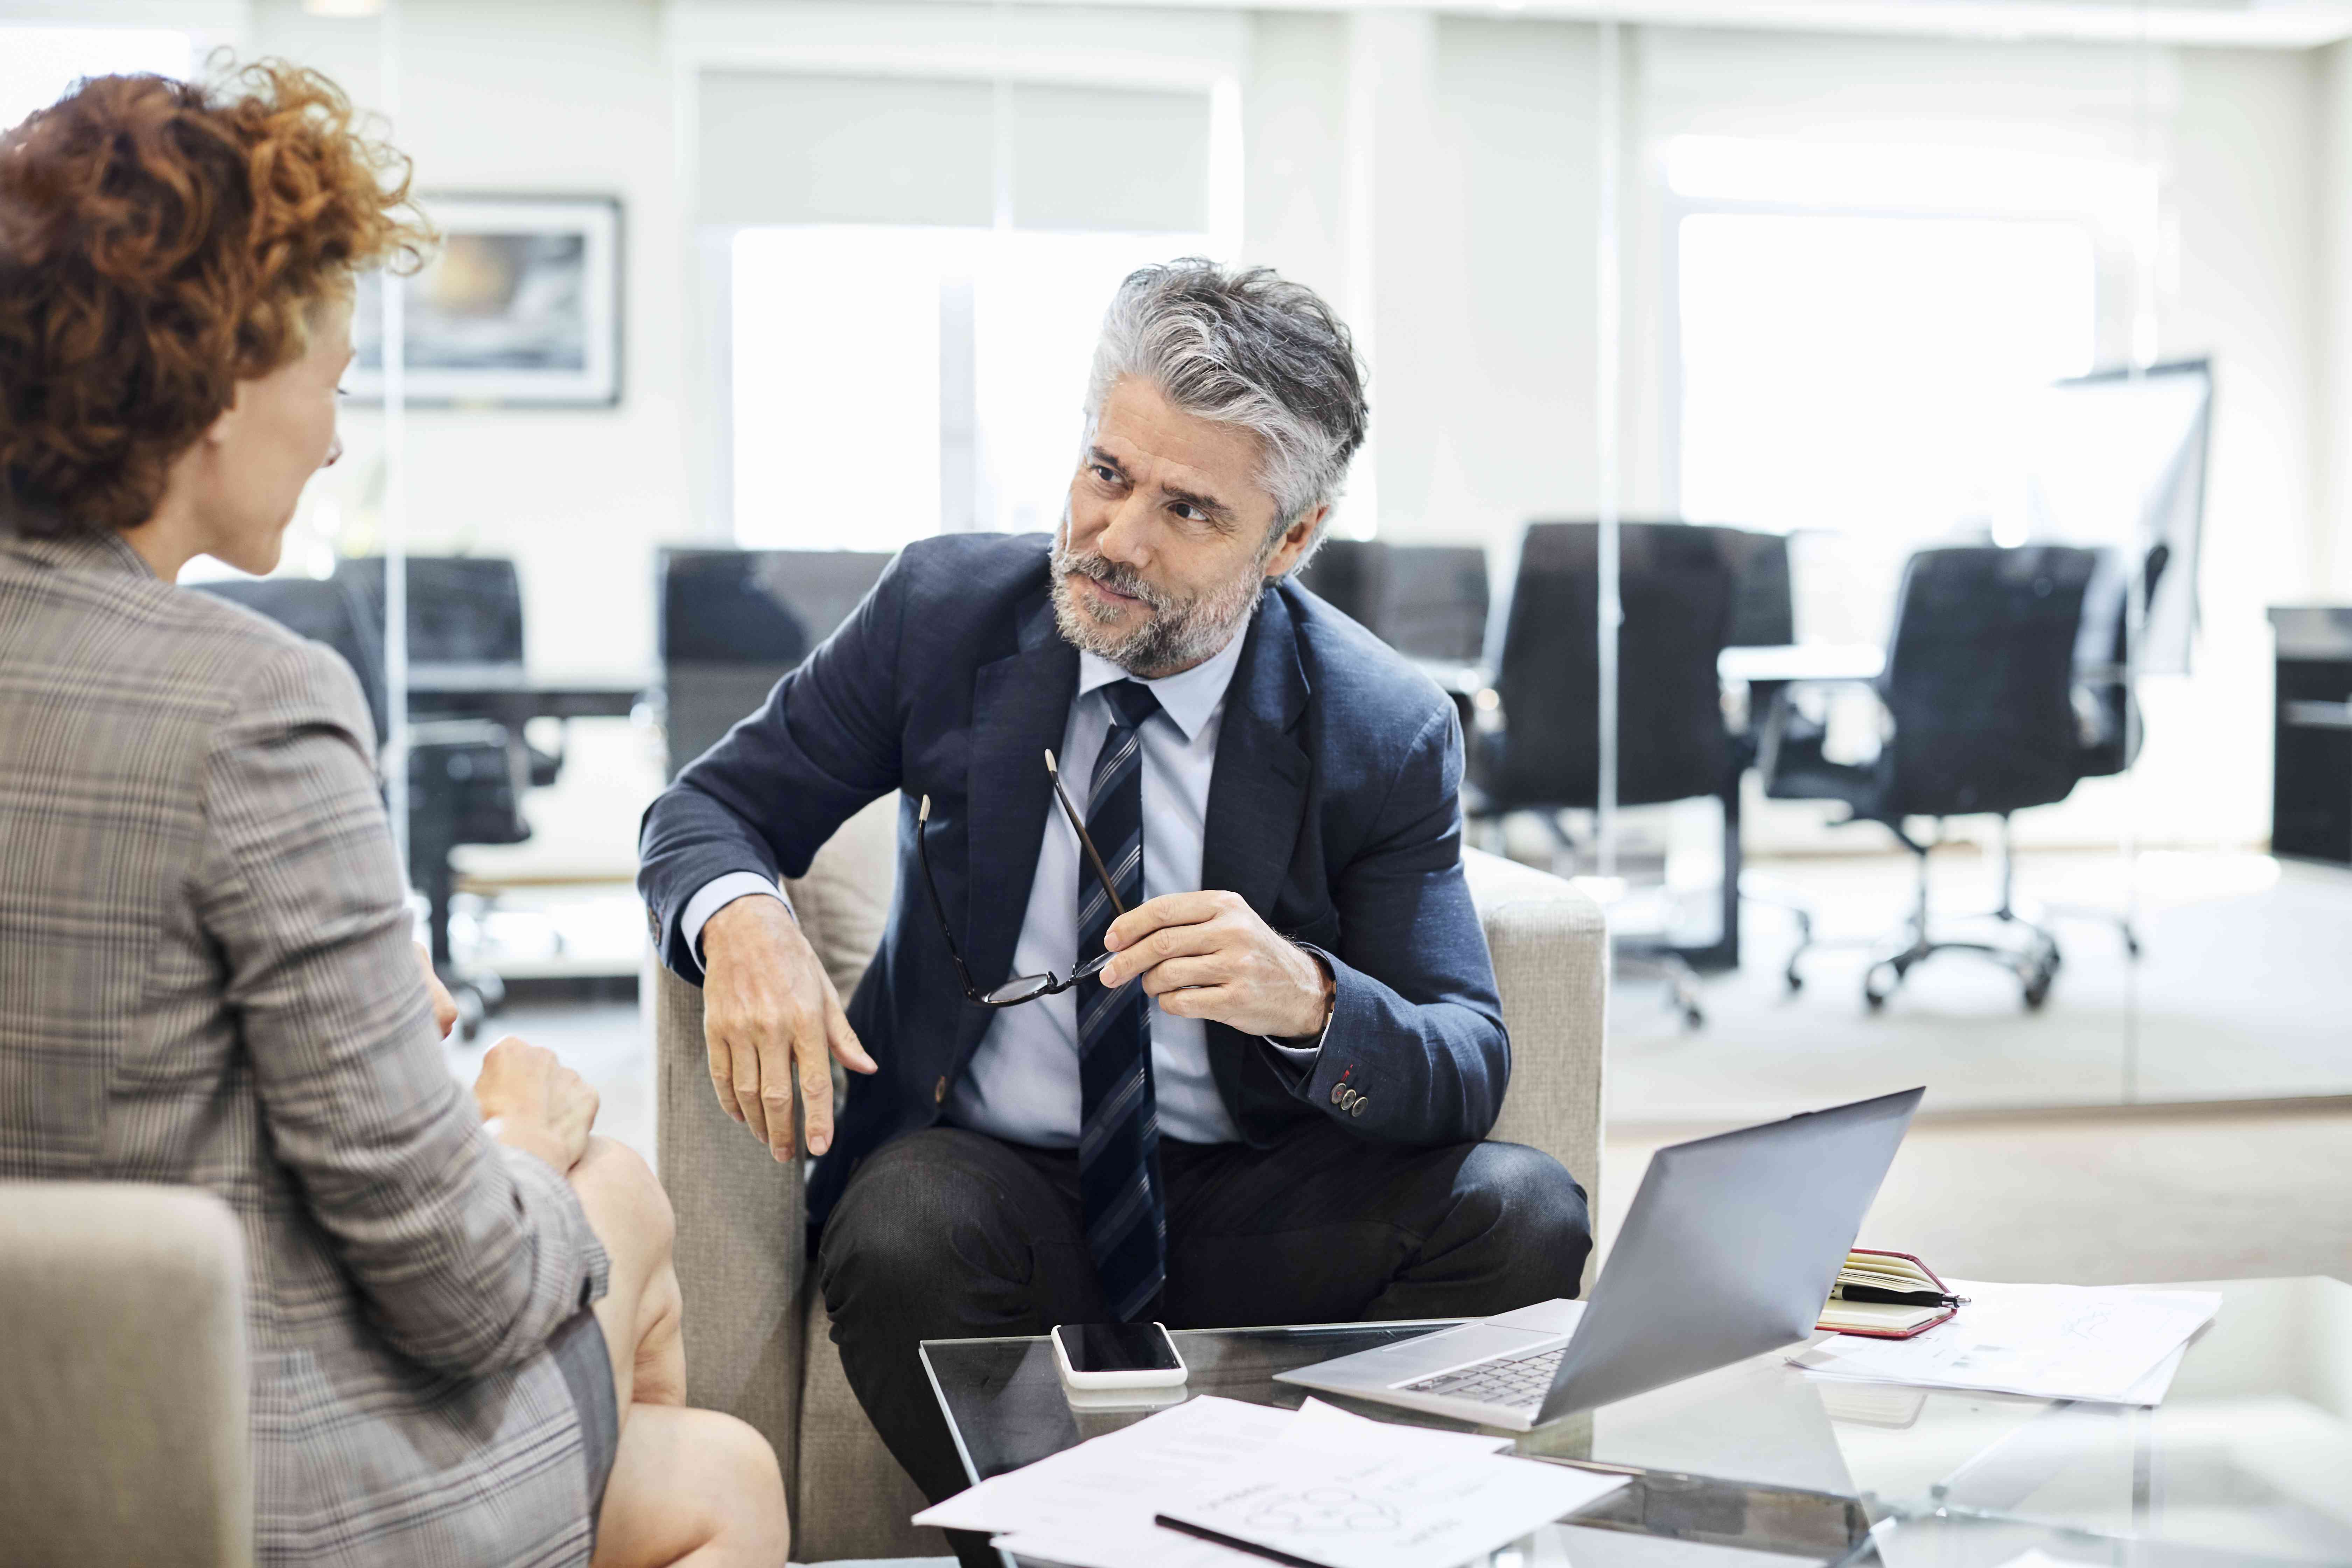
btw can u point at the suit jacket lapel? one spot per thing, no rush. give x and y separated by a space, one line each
1021 704
1257 802
1257 795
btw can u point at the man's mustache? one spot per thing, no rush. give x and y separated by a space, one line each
1111 575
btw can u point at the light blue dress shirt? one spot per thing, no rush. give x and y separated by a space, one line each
1022 1084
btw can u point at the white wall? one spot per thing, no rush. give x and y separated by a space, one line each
515 95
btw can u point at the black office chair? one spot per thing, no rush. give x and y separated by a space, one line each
468 769
1676 594
732 623
1433 602
1980 720
330 612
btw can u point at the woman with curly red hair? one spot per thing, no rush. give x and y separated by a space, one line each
463 1323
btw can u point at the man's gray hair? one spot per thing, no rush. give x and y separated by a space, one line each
1243 346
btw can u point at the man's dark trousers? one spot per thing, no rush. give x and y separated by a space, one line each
950 1234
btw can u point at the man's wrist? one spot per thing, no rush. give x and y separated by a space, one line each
1326 997
738 917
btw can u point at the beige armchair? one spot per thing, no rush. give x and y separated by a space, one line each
123 1436
757 1340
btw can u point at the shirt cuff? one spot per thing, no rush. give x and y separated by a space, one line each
715 895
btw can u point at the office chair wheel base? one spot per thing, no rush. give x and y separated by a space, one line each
470 1011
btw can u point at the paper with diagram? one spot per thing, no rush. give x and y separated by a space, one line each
2109 1344
1385 1506
1093 1506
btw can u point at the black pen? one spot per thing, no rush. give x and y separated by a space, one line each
1203 1533
1895 1298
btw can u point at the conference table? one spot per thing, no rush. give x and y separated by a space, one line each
2248 1459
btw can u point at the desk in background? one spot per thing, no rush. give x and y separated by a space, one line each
2311 776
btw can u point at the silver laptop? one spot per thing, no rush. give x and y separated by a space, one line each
1730 1251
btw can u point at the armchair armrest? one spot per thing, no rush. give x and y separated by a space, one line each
1549 942
741 1245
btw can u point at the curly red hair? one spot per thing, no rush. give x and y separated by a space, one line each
161 241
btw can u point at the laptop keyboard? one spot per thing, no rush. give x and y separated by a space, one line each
1518 1381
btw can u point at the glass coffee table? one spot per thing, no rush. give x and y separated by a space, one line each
2249 1459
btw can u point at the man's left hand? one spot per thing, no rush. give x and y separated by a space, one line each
1208 955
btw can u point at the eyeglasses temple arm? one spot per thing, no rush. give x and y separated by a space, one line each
1094 857
931 884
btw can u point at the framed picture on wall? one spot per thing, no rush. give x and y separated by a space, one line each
520 307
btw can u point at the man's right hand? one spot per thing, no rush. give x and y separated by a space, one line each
770 1013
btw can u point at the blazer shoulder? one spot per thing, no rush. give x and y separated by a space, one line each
1376 691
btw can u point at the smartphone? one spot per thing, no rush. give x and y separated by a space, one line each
1117 1356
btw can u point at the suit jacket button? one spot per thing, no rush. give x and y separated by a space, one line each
1339 1092
939 1092
1357 1109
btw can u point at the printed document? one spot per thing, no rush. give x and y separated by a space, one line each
2116 1345
1386 1505
1093 1506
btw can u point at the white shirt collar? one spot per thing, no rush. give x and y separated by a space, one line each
1189 697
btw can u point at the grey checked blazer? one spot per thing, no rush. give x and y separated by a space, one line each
206 976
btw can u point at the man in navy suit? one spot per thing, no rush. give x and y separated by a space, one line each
1267 1106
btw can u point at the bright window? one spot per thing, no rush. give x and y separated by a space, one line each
890 383
1860 373
39 64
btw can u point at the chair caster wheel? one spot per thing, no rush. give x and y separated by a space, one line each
2037 992
2131 947
1692 1019
1796 981
1873 1000
471 1010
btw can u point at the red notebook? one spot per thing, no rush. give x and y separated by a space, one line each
1886 1296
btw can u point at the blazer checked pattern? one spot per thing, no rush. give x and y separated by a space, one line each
207 977
1334 811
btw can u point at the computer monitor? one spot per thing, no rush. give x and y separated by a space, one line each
2117 459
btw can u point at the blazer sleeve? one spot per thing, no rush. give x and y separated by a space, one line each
767 795
467 1254
1415 1051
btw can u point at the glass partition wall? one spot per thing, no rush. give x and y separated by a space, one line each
1930 344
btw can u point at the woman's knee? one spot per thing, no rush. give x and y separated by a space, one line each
736 1450
619 1189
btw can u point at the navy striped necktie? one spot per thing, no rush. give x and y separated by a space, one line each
1119 1118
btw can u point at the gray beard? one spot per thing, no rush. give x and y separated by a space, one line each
1178 635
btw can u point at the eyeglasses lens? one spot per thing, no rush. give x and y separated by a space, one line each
1019 988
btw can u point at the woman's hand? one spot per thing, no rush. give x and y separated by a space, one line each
536 1103
445 1006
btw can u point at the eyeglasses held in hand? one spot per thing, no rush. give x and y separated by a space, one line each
1021 987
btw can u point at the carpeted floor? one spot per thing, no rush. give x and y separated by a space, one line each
2243 991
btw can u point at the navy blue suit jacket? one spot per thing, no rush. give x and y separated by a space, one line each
1334 811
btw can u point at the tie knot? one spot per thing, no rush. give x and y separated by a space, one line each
1131 702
